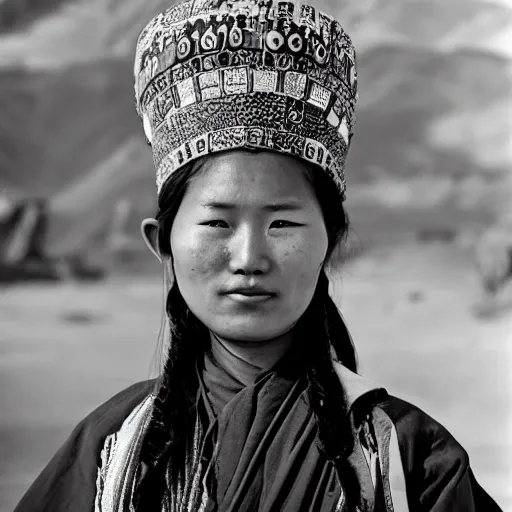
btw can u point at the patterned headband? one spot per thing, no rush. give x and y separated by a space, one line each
215 75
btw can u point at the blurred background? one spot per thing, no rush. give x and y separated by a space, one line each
426 286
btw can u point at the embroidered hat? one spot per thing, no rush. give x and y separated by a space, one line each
214 75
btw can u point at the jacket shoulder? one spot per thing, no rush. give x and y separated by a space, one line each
425 467
415 427
436 467
68 482
110 415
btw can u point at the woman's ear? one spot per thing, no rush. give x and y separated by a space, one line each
149 230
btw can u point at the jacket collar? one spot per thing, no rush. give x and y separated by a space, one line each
355 386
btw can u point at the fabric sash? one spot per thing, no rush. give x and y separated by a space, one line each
116 477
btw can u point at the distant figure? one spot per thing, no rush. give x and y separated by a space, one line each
118 239
121 214
119 245
23 228
23 231
493 256
6 205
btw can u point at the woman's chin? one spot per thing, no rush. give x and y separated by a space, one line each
250 332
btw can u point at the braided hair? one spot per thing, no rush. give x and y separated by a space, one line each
173 418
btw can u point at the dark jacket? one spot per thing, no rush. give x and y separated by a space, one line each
404 459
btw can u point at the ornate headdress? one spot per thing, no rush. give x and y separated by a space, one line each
214 75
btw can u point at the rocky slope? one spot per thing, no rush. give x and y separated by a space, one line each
433 119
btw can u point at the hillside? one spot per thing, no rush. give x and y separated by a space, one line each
433 109
78 115
68 108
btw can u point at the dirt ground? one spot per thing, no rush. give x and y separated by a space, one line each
65 349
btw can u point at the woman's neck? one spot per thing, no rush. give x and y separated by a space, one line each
261 354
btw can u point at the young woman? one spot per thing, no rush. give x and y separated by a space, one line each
249 108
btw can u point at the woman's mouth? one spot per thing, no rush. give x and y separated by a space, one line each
250 298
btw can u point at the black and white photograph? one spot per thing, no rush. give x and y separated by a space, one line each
255 255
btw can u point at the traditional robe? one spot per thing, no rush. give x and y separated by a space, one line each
267 457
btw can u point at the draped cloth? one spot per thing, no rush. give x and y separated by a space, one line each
260 443
417 456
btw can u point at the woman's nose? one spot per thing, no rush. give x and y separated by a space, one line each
249 253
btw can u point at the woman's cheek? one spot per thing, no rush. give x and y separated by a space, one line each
306 251
201 255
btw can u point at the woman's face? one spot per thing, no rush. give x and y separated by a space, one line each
248 244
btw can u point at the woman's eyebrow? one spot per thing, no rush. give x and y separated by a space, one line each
219 205
274 207
278 207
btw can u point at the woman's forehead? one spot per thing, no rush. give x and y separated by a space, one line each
246 176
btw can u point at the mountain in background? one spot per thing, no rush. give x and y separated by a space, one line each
433 125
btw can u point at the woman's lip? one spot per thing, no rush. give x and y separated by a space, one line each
250 299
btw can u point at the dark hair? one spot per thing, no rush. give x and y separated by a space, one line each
173 414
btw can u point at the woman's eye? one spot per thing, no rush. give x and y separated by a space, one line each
283 224
215 223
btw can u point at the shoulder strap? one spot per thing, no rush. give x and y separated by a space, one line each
377 459
119 460
390 462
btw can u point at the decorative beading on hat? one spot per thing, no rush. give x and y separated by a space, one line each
214 75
